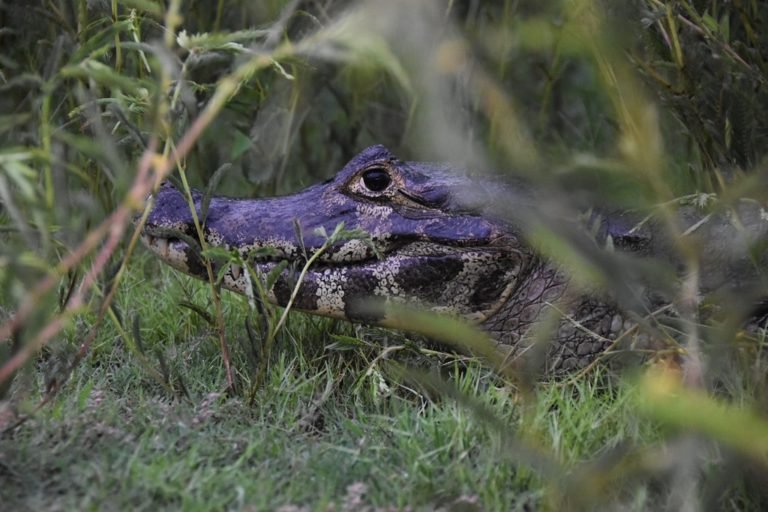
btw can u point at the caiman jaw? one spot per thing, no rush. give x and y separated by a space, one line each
430 276
170 250
417 249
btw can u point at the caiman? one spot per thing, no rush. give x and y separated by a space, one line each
451 244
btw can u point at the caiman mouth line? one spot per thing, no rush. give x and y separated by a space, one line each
173 249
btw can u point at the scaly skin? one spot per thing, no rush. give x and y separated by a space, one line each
442 244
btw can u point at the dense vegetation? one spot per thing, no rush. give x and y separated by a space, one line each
126 385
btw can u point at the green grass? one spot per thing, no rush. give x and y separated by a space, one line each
114 438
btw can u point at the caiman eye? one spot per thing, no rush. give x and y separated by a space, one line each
376 180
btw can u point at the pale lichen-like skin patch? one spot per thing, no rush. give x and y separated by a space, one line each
385 277
350 251
331 284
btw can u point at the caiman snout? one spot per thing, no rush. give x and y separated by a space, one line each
170 230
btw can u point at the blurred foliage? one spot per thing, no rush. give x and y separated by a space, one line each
706 61
627 103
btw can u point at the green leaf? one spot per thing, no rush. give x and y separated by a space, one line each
725 27
12 121
213 183
710 23
320 231
216 253
99 44
219 41
199 310
104 75
344 343
22 176
663 398
275 273
155 8
260 252
447 329
241 144
282 70
584 273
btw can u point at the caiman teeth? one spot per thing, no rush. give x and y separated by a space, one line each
162 246
235 269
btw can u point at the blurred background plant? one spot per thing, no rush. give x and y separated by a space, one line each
625 105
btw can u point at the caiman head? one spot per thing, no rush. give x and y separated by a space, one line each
424 244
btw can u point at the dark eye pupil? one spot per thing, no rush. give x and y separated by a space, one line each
376 180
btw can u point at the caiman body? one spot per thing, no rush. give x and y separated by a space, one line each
434 240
